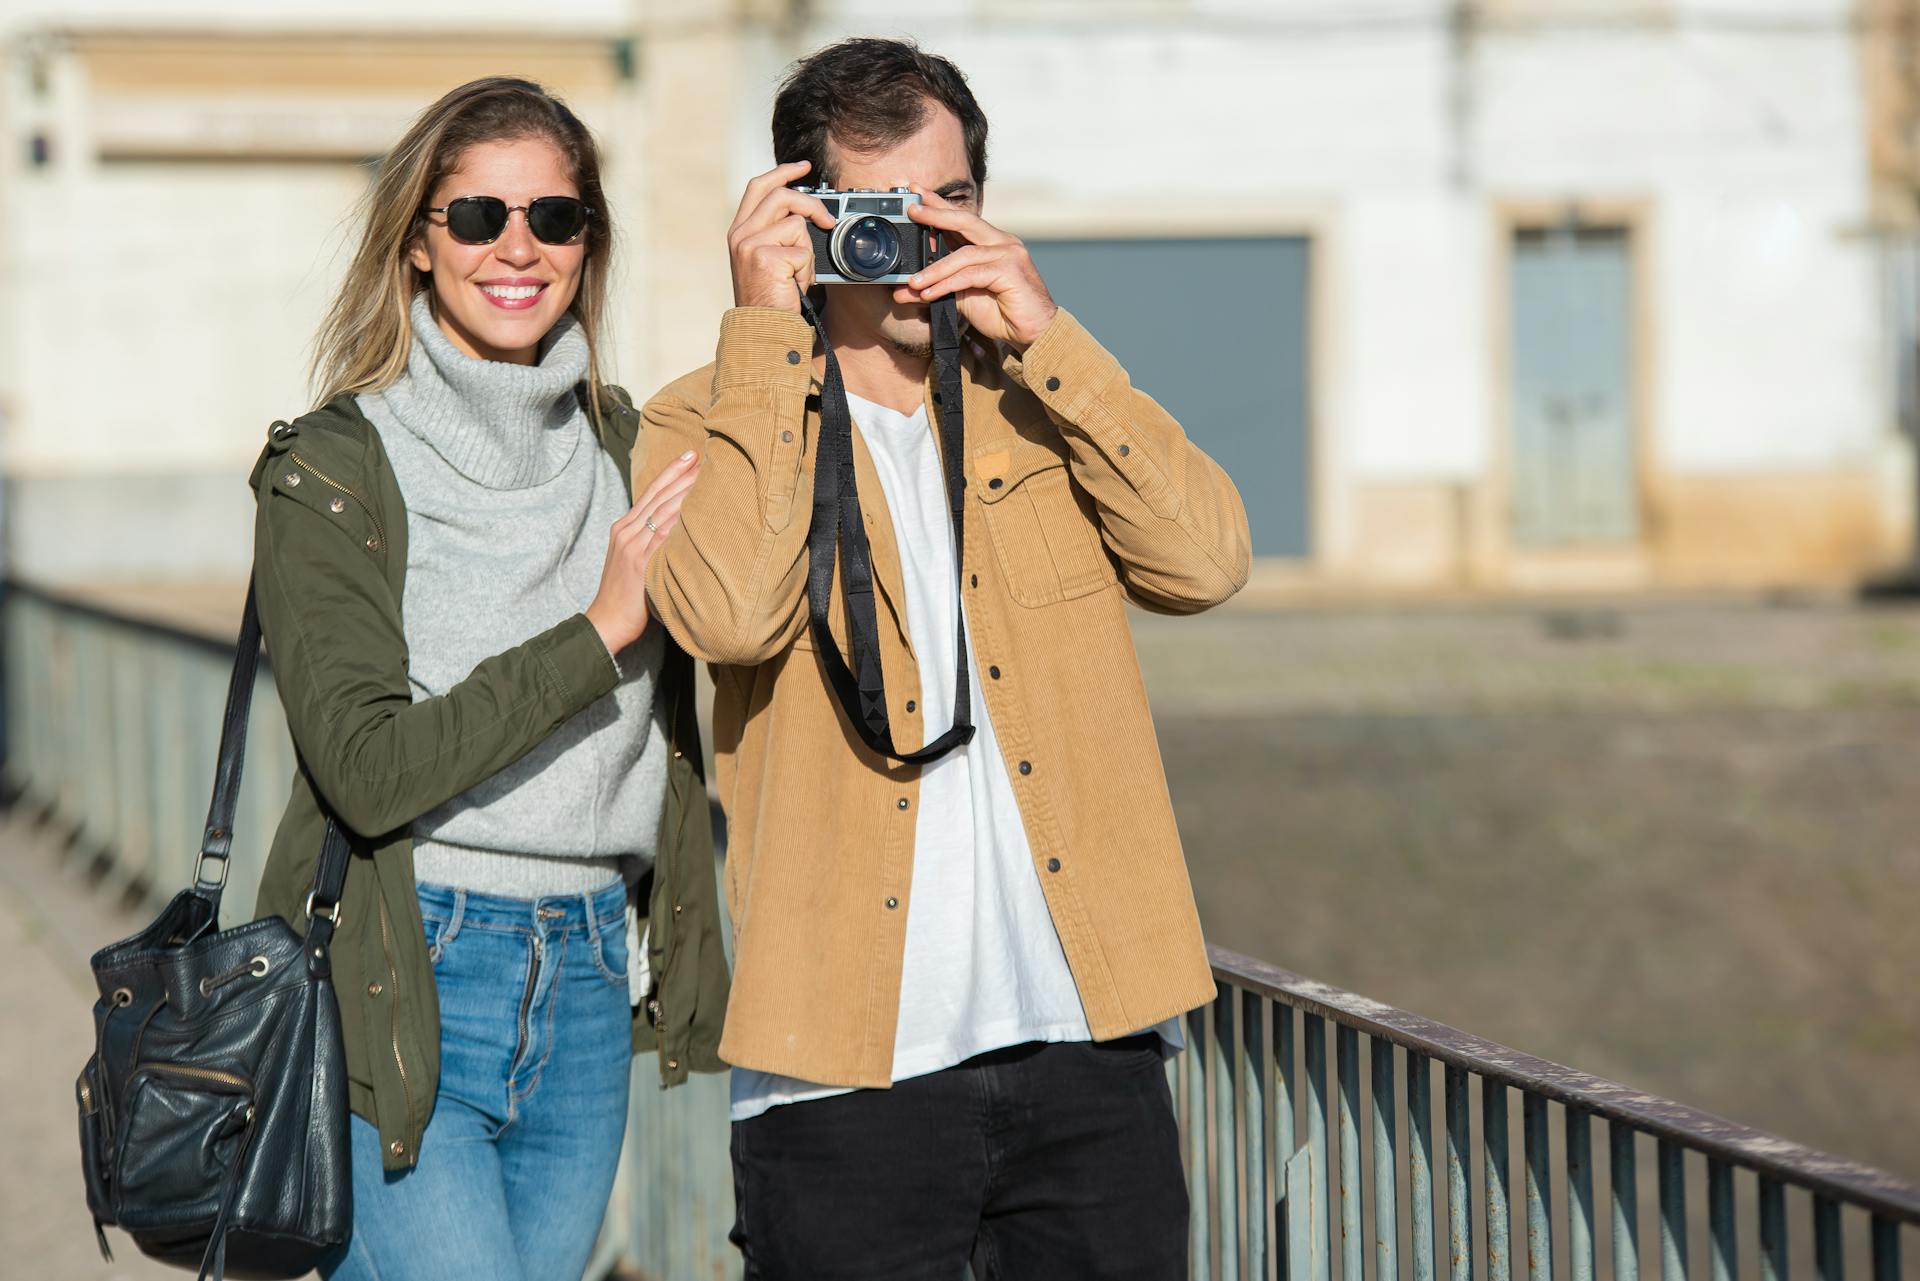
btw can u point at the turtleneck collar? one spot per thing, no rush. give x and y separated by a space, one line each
500 425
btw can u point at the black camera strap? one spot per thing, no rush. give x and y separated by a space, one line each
839 529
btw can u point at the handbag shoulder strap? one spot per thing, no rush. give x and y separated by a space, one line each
216 839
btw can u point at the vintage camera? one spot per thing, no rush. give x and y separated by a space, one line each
873 242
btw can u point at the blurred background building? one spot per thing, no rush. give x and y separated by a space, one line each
1500 294
1485 304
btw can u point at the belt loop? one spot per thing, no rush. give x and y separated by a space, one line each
448 928
593 918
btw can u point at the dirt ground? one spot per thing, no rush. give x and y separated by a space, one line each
1677 845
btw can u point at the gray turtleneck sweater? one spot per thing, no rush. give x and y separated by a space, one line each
509 502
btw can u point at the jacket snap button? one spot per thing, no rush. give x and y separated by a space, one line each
892 903
902 803
793 358
1053 384
786 437
994 672
673 1063
1053 865
678 908
373 544
374 989
1125 450
293 478
338 504
995 483
1026 767
909 704
397 1148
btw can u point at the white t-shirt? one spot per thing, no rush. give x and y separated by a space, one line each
983 967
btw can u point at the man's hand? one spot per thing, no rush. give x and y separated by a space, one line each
989 273
771 255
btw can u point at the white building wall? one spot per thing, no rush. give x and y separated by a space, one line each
1372 126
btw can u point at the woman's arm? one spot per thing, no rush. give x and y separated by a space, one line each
334 636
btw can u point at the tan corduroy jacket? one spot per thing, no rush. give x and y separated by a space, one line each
1082 493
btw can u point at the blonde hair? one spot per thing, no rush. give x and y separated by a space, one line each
364 342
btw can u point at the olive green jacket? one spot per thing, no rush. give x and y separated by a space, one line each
330 558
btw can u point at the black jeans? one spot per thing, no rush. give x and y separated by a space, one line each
1047 1162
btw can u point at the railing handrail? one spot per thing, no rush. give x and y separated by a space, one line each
1768 1154
208 639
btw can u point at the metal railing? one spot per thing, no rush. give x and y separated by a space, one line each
112 724
1282 1186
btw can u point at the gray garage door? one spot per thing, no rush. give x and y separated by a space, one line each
1215 330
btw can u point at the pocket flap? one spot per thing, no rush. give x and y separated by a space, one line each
1001 466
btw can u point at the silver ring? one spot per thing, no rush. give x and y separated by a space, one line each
650 525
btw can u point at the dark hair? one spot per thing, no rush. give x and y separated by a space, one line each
867 94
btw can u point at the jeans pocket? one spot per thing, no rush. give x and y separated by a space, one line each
610 952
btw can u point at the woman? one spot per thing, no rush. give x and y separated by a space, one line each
449 570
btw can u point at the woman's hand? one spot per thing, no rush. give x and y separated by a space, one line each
619 611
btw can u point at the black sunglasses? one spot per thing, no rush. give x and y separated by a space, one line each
479 220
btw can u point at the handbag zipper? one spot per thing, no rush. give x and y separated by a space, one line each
325 479
393 1021
235 1080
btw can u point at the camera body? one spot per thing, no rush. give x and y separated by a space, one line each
873 241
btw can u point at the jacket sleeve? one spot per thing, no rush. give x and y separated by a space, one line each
730 582
1169 515
334 637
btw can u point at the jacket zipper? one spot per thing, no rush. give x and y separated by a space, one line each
328 480
393 1021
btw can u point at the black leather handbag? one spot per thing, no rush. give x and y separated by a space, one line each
213 1113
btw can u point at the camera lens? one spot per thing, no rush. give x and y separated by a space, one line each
866 247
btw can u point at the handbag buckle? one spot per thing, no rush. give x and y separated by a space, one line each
200 869
329 912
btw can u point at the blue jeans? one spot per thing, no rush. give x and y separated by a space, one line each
517 1162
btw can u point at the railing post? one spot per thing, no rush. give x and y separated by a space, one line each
1886 1249
1386 1165
1255 1056
1226 1104
1352 1264
1318 1111
1726 1258
1493 1141
1199 1240
1539 1188
1283 1137
1621 1173
1579 1132
1459 1181
1829 1254
1420 1162
1673 1212
1773 1230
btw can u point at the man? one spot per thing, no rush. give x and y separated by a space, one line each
952 980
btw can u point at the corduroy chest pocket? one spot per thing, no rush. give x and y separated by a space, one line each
1048 546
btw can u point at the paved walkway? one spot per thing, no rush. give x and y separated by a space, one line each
45 993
